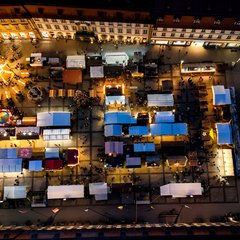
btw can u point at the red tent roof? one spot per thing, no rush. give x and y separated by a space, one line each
53 164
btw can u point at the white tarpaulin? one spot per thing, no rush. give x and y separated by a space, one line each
181 190
56 134
49 119
77 61
225 162
160 100
14 192
65 191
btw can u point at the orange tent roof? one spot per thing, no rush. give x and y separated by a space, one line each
72 76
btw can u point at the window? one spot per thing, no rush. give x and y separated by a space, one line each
232 32
65 27
26 27
222 31
120 30
154 34
12 20
145 25
200 36
56 26
84 28
63 21
110 24
102 23
213 31
17 27
17 10
94 29
196 21
54 20
203 31
193 30
60 11
163 34
40 10
45 20
172 34
210 36
102 29
191 35
174 30
129 31
182 35
228 37
71 21
111 30
184 30
145 31
22 20
219 37
238 37
164 29
137 25
40 25
129 24
74 28
48 26
120 24
137 31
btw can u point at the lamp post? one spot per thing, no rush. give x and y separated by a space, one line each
183 206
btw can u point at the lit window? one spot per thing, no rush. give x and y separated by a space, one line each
65 27
137 31
111 30
56 26
137 25
48 26
40 25
145 31
45 20
54 20
119 30
26 27
74 28
102 29
129 31
163 34
63 21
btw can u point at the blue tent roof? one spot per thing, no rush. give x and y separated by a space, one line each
52 153
138 130
144 147
119 118
112 130
224 133
170 129
133 162
35 165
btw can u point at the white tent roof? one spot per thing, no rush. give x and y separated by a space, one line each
221 96
116 58
112 130
225 162
181 190
96 72
160 100
65 191
98 188
76 61
111 100
48 119
164 116
14 192
224 133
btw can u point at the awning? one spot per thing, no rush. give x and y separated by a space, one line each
115 100
181 190
224 133
153 160
14 192
65 191
133 162
27 132
53 164
160 100
51 152
35 165
178 161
